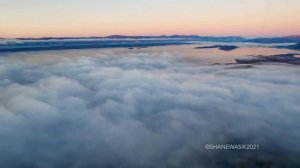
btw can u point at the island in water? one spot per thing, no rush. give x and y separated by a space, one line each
220 47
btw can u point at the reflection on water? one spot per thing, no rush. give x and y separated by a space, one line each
188 52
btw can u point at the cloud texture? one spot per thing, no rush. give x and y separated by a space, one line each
146 110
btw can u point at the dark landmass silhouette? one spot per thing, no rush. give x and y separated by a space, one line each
286 39
62 45
293 47
281 58
220 47
186 37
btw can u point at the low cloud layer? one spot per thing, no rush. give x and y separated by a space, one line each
144 110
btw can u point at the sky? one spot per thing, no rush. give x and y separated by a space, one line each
43 18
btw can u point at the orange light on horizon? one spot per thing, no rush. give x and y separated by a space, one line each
156 17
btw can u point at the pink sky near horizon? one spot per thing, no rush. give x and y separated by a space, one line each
44 18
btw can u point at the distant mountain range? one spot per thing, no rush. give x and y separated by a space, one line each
266 40
190 37
183 37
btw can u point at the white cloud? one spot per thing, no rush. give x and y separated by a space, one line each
144 110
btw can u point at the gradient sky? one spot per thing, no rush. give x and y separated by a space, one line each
40 18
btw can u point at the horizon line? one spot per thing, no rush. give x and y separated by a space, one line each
124 35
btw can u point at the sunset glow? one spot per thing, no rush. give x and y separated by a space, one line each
35 18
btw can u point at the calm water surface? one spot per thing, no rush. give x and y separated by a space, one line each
187 52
